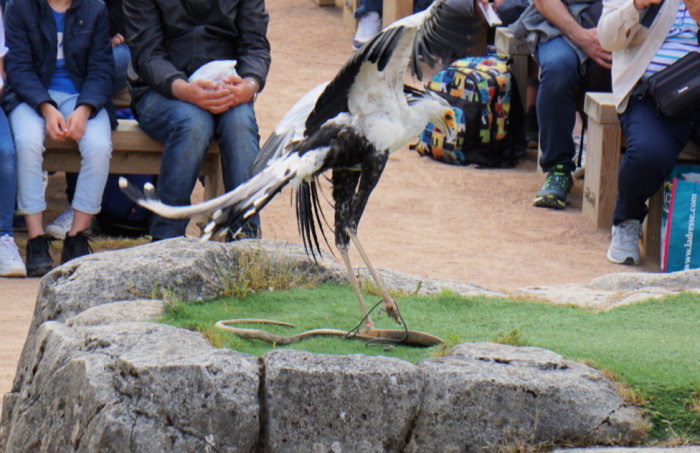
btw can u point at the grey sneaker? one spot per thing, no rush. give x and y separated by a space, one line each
624 246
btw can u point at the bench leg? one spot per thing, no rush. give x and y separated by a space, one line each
602 163
349 7
393 10
213 184
651 236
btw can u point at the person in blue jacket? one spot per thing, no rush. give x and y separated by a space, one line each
60 74
11 264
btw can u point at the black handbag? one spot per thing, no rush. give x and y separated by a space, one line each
676 88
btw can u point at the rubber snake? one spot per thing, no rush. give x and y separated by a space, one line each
410 337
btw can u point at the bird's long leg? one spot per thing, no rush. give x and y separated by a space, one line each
344 184
369 325
389 304
373 166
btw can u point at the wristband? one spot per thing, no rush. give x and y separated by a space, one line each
255 85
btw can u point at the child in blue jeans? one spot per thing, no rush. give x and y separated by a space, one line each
60 87
11 264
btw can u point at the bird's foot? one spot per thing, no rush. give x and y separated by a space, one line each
392 310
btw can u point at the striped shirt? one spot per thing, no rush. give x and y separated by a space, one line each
681 39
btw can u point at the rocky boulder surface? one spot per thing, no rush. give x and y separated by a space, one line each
97 375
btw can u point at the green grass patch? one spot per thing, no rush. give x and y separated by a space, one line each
652 347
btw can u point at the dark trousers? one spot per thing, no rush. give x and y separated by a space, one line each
653 145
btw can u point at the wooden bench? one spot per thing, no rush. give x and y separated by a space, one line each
603 156
133 152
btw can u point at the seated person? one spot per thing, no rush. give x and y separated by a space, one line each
653 141
562 47
62 224
166 48
63 93
11 264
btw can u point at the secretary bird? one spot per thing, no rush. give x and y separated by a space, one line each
349 126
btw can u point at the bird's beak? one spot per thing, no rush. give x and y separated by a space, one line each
450 125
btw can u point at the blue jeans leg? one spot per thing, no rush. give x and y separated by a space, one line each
186 132
8 176
122 55
239 141
653 145
556 105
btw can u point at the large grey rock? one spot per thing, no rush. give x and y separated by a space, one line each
326 403
186 268
125 311
679 281
132 387
486 394
92 379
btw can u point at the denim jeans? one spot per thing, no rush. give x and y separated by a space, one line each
122 56
8 176
653 145
186 132
29 129
560 75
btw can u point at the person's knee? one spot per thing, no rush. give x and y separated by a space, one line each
559 76
196 129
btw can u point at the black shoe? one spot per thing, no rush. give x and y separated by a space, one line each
39 261
555 189
75 246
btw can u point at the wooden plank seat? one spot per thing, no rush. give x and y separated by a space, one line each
603 156
133 152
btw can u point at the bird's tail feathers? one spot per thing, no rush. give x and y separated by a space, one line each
310 218
239 212
256 192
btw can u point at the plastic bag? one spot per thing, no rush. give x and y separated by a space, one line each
680 250
215 71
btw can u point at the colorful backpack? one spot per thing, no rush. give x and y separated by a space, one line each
486 103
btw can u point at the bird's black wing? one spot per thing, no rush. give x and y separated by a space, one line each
288 130
334 99
449 31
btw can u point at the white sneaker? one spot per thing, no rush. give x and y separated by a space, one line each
624 246
11 264
61 224
369 25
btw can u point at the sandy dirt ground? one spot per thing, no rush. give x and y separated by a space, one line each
425 218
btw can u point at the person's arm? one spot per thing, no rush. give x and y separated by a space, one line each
19 64
693 9
98 84
144 36
3 51
586 39
619 24
253 58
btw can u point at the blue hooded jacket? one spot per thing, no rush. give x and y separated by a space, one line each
31 59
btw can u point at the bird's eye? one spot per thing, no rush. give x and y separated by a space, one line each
448 117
